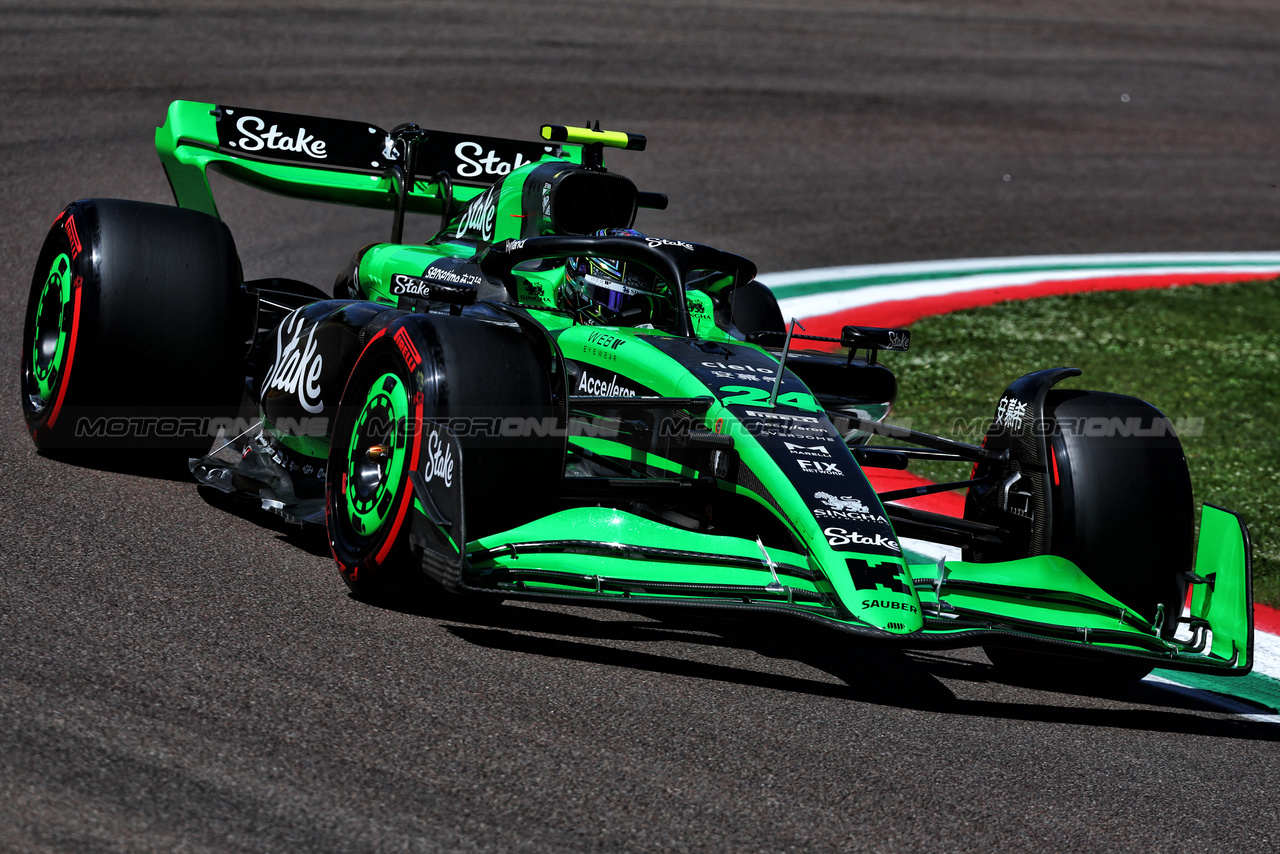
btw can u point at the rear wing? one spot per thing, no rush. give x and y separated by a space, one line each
336 160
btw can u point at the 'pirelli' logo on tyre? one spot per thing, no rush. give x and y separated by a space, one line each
410 352
73 237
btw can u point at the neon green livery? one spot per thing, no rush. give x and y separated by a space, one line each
541 402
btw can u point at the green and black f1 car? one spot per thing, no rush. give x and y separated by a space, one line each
541 403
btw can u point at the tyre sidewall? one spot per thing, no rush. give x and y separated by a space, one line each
373 562
63 239
1122 504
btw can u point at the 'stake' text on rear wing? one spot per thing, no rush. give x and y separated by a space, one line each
334 160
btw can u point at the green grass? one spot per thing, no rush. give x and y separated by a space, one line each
1202 352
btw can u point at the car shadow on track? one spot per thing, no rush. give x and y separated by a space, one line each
866 673
173 466
309 538
156 465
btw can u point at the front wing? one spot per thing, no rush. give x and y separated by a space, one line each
606 556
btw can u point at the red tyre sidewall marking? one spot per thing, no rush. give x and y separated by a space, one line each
328 503
407 499
413 466
71 355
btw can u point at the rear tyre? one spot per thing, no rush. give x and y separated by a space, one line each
1122 512
135 328
483 381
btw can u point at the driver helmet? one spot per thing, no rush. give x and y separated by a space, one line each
614 292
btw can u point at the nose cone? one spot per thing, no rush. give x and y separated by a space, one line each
881 594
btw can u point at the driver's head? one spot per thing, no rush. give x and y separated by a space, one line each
614 292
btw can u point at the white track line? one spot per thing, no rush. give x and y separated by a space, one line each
1235 707
812 305
962 266
1266 653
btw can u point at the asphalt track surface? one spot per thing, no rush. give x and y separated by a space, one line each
175 676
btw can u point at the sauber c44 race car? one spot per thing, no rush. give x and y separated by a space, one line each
540 403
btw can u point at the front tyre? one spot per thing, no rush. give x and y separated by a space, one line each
374 448
500 390
1123 513
1122 503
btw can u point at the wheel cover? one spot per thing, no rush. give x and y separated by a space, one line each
49 341
371 481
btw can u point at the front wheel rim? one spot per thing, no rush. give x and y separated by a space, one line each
49 337
373 475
